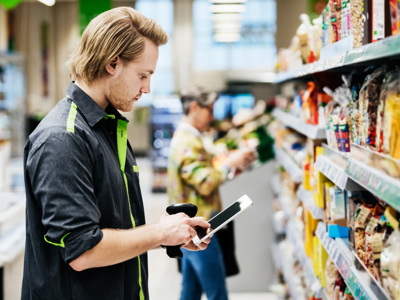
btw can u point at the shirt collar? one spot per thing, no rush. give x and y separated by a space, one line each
89 108
189 129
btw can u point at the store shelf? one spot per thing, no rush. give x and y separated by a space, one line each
289 277
311 131
290 166
359 281
376 181
294 238
308 201
336 174
386 48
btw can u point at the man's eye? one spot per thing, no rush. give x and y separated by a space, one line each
143 77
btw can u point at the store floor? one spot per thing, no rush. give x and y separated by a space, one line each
164 279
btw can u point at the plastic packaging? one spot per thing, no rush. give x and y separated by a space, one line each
391 138
390 264
371 105
346 19
336 18
359 101
310 104
363 215
356 8
342 96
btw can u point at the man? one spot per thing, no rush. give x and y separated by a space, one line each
85 236
193 179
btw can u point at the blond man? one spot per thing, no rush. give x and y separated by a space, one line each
86 237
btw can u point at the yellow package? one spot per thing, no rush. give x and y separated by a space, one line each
327 202
315 255
322 259
309 228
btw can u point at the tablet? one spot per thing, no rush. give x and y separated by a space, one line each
225 216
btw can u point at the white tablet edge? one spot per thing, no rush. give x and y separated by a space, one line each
243 199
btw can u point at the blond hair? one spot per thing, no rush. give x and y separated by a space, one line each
118 32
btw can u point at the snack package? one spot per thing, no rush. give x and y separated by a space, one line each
362 217
327 202
358 109
355 203
336 18
347 295
334 125
371 107
393 16
370 236
342 95
331 274
381 22
356 10
330 132
346 19
391 138
377 246
325 25
390 264
366 8
310 104
390 77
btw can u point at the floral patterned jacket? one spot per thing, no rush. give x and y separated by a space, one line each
191 175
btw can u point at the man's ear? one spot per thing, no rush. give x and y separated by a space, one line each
111 66
193 107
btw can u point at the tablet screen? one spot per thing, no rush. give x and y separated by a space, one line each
227 215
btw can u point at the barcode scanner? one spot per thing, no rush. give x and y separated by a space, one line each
188 209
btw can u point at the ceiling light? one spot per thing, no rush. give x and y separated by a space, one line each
227 30
226 17
226 37
228 1
228 8
222 25
48 2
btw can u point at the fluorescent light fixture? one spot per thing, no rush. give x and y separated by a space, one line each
228 30
226 17
226 37
48 2
228 1
224 25
228 8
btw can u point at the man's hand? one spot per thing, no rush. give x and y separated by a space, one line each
241 158
179 229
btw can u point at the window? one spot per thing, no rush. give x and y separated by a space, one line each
256 48
162 11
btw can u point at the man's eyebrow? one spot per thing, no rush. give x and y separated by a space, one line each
149 71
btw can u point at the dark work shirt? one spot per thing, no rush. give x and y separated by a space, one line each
75 188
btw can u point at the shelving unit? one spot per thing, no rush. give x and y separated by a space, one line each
289 120
388 48
307 199
290 166
359 280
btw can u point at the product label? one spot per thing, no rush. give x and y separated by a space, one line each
376 245
344 138
378 19
362 214
371 225
337 135
346 19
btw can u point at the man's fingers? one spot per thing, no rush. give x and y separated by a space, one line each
198 221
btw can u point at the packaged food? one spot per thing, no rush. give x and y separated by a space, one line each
331 274
366 8
342 95
371 107
393 16
330 132
380 132
377 246
305 42
346 19
325 25
381 22
356 9
390 264
336 18
362 217
355 203
327 202
370 236
359 102
310 104
391 138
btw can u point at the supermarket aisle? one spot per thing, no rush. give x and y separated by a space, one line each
164 279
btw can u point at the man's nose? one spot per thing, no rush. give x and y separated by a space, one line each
145 89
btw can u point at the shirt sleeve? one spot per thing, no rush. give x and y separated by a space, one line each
60 173
199 172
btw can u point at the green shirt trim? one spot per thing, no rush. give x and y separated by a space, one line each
135 169
61 244
71 118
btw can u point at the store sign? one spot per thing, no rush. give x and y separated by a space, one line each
89 9
9 4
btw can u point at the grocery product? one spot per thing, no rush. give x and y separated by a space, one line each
331 274
366 8
370 109
359 102
362 217
381 22
310 104
390 77
346 19
394 16
342 118
347 295
356 9
390 264
391 140
336 18
330 131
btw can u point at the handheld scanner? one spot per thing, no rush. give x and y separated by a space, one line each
188 209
